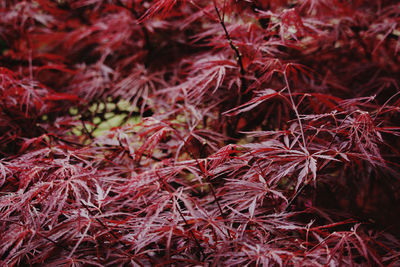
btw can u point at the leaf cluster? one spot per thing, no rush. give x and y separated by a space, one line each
184 133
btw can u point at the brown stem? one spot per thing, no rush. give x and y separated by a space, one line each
228 37
182 216
110 230
206 178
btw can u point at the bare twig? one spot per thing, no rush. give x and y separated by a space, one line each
182 216
294 108
228 37
126 249
206 178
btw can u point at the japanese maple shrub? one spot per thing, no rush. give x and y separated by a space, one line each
188 133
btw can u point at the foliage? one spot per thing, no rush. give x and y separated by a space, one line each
182 133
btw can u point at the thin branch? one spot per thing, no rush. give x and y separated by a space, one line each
294 108
85 129
111 231
302 136
148 44
39 234
206 178
294 197
228 37
182 216
58 138
126 151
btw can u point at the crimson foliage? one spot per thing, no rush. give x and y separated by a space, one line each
227 133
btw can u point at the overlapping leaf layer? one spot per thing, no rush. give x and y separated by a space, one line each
188 133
